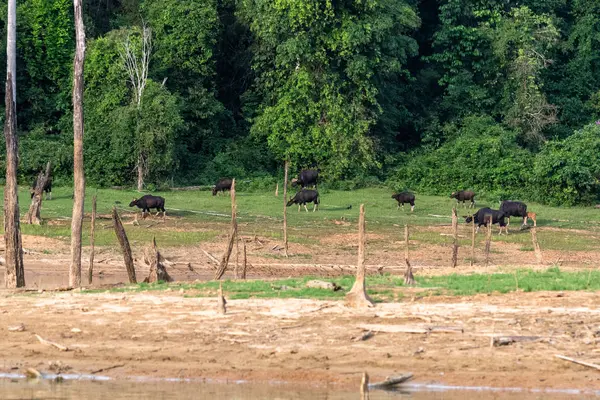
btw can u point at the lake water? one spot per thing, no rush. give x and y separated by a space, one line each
165 390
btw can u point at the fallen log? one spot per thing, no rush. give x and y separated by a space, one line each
585 364
391 382
508 340
410 328
51 344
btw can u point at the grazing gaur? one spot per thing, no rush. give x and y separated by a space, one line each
464 195
305 196
514 209
147 202
405 197
306 177
221 186
532 216
482 217
47 188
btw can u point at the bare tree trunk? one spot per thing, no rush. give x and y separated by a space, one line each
285 185
455 234
472 241
245 264
232 235
277 190
536 245
33 215
124 242
364 387
357 296
78 171
158 272
409 278
92 240
14 276
140 173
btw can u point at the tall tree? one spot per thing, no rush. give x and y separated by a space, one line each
15 275
78 172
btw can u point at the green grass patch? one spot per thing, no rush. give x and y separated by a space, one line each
387 287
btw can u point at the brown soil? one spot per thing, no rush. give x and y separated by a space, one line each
170 335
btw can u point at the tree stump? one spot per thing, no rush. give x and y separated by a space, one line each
125 247
357 297
33 215
158 272
221 302
536 245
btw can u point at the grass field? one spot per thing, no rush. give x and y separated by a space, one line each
197 216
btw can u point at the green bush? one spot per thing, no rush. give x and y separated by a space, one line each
481 155
566 172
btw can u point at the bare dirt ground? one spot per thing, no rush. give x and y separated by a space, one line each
306 341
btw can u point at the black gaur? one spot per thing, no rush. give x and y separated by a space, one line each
305 196
483 216
221 186
405 197
464 195
147 202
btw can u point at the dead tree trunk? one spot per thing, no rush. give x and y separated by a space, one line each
92 240
536 245
33 215
14 275
221 302
409 278
357 296
277 190
232 236
364 387
285 185
78 171
455 236
125 247
488 240
245 264
140 173
158 272
472 241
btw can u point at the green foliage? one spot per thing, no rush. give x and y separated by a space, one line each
479 154
567 172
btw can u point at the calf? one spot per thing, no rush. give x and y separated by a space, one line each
307 177
221 186
533 217
514 209
405 197
147 202
305 196
47 188
482 217
464 195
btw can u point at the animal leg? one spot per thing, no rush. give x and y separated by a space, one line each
314 207
305 207
412 208
298 207
477 230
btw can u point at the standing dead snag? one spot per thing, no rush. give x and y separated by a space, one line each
158 272
455 234
285 185
244 265
232 236
33 215
92 240
357 296
124 242
488 240
409 279
78 168
364 387
221 302
536 245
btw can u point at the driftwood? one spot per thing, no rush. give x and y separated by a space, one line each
232 235
365 336
508 340
410 328
33 215
158 271
455 235
125 247
285 185
391 382
211 257
409 278
92 238
357 297
51 344
221 302
586 364
107 368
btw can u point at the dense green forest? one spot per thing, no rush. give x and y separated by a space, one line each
499 96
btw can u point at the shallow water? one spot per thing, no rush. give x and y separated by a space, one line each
166 390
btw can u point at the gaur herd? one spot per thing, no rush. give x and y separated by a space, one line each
309 177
